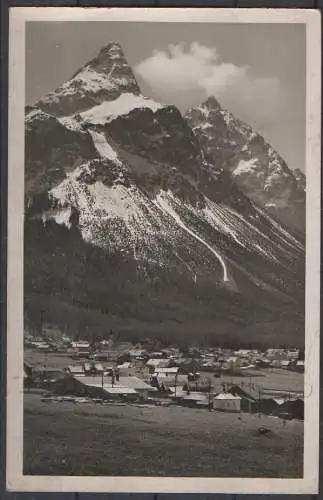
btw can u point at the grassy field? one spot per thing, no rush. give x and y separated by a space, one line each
269 378
50 360
65 438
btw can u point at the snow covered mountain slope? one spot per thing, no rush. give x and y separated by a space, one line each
254 165
103 79
124 205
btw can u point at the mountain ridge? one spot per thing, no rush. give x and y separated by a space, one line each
257 169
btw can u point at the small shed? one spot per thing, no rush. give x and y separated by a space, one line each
300 366
227 402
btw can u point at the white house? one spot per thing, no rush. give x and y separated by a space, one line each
80 344
133 383
227 402
293 355
285 364
275 354
167 371
158 362
76 370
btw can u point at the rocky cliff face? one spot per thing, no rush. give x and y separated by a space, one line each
301 179
256 168
125 180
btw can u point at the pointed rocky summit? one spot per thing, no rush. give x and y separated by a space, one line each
104 78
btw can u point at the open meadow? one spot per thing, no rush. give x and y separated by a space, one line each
66 438
265 379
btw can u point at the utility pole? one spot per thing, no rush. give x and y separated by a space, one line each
210 395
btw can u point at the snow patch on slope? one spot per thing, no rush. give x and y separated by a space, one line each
36 114
86 81
71 123
221 220
110 201
102 146
110 110
246 167
284 235
33 114
98 204
162 201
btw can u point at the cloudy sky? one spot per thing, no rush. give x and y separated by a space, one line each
255 71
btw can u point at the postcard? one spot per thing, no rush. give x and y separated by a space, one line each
163 312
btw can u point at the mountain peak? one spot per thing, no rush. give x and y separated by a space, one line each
112 49
104 78
254 166
211 103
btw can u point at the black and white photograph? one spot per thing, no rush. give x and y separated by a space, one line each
163 250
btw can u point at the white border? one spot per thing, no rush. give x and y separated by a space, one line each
15 480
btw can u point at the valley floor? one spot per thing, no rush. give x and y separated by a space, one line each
65 438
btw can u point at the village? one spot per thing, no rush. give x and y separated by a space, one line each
213 378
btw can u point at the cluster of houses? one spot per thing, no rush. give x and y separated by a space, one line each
130 373
226 360
209 359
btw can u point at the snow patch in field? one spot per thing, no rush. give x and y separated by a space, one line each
110 110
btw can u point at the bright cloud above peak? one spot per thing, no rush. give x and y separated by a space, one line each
180 69
199 72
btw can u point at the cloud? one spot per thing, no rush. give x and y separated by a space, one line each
196 72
